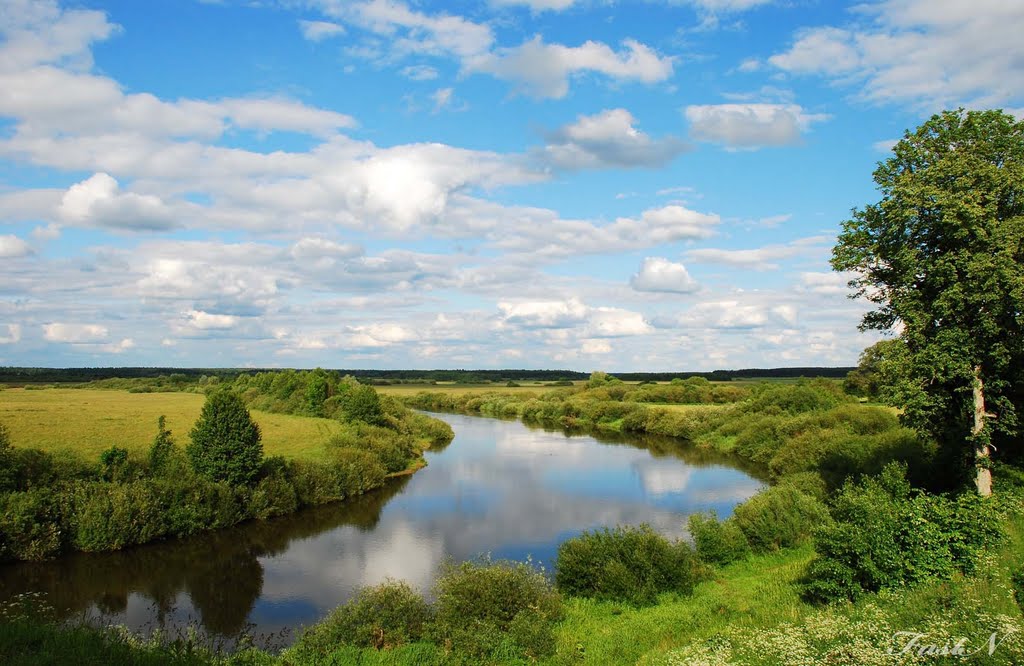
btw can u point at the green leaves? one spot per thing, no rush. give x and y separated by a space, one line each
941 255
226 442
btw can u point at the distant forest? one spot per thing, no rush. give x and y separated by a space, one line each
13 375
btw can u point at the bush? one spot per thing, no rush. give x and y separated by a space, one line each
779 517
491 609
357 402
113 462
30 525
630 564
384 616
1017 580
717 542
887 536
273 496
226 441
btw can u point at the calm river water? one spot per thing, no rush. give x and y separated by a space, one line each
501 487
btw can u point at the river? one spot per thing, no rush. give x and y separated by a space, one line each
501 487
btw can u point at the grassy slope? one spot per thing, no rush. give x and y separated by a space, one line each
757 593
89 421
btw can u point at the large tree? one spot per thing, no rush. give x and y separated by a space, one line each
942 256
226 442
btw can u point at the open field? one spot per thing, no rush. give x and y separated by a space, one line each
88 421
400 390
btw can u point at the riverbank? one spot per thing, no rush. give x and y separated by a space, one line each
808 429
63 496
751 613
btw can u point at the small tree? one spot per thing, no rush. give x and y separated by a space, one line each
226 442
163 447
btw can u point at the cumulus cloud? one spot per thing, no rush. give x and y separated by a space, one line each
607 140
750 126
544 70
12 247
411 31
205 321
926 54
98 201
542 235
75 333
661 275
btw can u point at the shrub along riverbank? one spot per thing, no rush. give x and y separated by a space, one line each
52 503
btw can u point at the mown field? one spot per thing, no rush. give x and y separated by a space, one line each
89 421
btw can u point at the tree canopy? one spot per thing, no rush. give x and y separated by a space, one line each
226 442
941 255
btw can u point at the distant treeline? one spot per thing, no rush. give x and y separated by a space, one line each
13 375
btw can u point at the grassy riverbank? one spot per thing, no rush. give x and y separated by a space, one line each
750 612
76 474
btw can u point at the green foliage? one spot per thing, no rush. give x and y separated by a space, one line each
485 610
1018 587
630 564
942 254
885 535
113 462
162 451
357 402
779 517
30 525
383 617
805 396
226 442
873 377
717 542
318 389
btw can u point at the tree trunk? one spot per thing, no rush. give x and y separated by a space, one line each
983 480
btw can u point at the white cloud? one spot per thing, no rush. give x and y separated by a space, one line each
75 333
270 114
750 126
117 347
378 335
413 32
419 72
98 201
661 275
442 98
13 335
717 6
205 321
605 322
606 140
536 5
544 314
317 31
885 146
38 31
12 247
544 70
591 346
759 259
927 54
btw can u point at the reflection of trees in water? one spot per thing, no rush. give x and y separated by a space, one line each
219 570
662 446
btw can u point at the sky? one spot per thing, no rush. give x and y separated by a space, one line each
626 185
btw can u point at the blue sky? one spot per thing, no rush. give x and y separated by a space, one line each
615 184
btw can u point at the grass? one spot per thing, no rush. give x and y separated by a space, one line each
401 390
88 421
757 592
